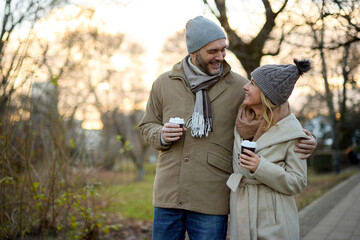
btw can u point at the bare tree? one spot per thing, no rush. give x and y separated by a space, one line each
16 14
250 52
336 11
100 73
347 43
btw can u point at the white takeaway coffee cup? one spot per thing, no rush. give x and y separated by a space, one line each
177 120
246 144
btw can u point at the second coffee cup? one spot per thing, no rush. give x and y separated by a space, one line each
246 144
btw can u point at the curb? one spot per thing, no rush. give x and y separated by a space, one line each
312 214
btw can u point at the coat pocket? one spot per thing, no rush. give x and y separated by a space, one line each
220 158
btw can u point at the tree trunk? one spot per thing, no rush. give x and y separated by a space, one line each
332 113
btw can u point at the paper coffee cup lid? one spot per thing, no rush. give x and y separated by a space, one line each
249 144
177 120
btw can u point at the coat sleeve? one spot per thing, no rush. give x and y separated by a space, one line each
152 121
289 177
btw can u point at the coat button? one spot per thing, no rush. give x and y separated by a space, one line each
180 203
186 159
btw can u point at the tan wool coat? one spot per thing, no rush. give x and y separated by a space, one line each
191 173
262 204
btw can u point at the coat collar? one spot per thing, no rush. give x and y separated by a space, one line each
287 129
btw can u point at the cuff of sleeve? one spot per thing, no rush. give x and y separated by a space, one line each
163 143
259 168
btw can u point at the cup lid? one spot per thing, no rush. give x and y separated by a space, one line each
247 143
177 120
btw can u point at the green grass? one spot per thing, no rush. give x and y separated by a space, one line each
134 200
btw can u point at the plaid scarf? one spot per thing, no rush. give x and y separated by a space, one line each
201 120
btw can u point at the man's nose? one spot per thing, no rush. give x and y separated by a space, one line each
220 56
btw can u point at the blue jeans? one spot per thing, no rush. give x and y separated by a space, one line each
171 224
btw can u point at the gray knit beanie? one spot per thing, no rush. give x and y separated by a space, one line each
200 31
278 81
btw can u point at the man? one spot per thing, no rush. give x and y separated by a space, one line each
190 192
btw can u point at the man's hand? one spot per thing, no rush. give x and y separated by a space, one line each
306 146
171 132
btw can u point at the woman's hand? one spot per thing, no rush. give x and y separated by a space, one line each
249 160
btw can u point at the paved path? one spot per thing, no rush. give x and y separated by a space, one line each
336 215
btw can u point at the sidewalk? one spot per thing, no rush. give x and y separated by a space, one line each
334 216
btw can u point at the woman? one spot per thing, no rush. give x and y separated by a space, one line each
262 204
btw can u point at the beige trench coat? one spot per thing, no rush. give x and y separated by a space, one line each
262 204
191 174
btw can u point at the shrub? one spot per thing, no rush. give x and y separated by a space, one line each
45 189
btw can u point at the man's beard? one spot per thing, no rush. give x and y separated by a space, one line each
202 65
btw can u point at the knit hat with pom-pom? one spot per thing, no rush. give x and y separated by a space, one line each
277 81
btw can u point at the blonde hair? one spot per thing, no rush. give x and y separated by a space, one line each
267 114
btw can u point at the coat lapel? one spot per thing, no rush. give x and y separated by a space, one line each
216 90
220 86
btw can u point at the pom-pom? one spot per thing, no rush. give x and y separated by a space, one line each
303 65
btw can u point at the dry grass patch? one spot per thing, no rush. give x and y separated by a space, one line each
319 184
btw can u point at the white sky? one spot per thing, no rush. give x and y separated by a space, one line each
146 19
150 22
